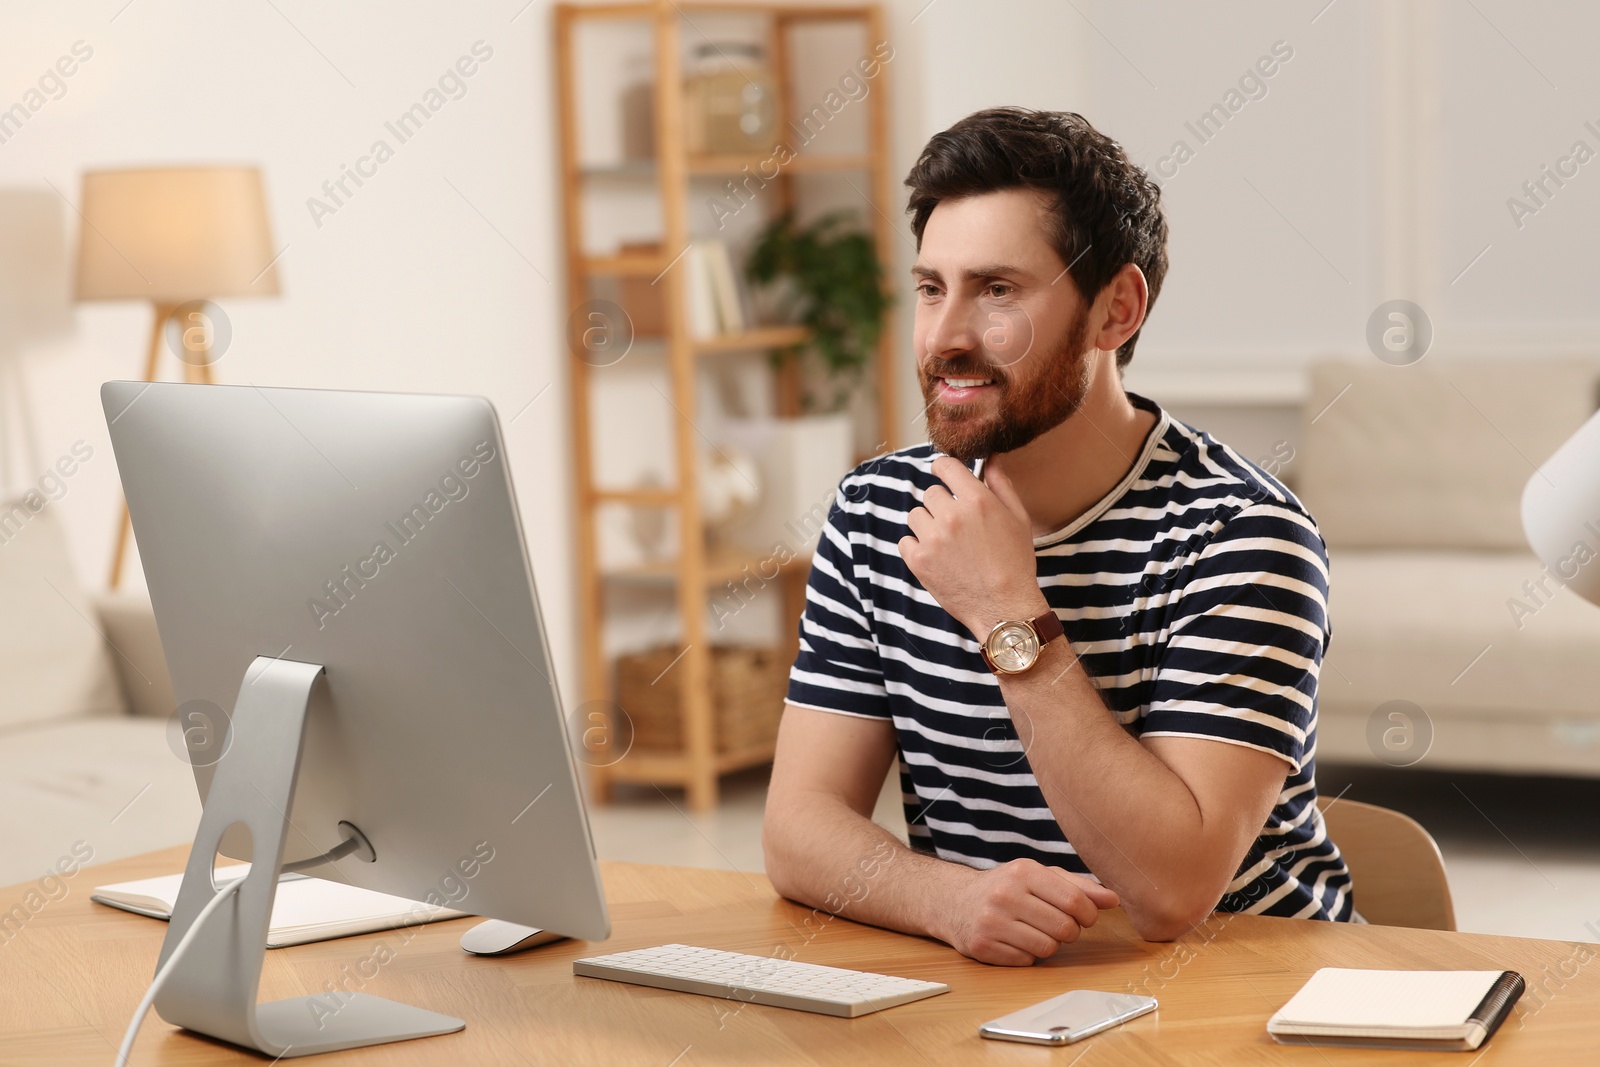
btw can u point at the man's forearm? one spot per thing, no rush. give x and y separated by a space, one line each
1129 815
821 852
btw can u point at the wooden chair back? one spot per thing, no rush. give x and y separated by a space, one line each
1394 863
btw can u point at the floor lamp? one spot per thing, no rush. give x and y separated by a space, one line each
175 236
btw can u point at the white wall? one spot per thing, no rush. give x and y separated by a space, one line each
412 285
1514 96
1377 165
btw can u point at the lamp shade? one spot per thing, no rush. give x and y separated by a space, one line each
1561 512
174 234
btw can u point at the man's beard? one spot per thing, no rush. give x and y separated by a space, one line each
1026 409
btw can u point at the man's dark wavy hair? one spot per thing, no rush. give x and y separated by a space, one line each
1106 212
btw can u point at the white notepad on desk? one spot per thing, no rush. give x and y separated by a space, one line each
1446 1010
304 909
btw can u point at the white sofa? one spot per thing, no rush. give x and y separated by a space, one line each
86 769
1415 476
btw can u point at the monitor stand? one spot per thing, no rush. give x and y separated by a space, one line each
213 988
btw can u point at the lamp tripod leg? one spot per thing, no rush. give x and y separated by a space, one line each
152 356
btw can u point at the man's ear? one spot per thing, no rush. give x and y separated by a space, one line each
1120 308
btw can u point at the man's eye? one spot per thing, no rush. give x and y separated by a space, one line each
929 291
999 290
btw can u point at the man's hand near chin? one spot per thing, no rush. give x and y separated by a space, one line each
971 547
1018 912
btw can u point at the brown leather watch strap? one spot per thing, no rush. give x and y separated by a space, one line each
1048 627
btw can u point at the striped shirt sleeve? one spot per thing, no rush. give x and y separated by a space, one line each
1247 638
838 668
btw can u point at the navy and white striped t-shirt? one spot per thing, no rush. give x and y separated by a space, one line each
1195 594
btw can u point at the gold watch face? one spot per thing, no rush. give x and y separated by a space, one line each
1013 647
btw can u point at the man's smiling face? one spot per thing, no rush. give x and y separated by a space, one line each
1000 326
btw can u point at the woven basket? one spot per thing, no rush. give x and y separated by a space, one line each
747 690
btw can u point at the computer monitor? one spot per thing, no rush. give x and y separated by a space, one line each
343 594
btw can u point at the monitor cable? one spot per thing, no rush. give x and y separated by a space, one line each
355 842
166 968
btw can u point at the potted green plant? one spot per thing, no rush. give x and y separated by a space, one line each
834 289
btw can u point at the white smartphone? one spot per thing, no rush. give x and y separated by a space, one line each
1070 1017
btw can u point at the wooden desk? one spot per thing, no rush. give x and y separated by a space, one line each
72 976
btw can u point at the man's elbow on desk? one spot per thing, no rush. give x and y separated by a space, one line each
1185 897
781 872
1167 920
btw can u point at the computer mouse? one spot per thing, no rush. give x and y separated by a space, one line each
495 937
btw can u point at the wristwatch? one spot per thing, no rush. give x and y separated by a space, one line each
1013 647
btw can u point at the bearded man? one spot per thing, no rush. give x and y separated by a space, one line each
1090 633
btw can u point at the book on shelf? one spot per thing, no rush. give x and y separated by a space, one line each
718 302
304 909
700 293
725 284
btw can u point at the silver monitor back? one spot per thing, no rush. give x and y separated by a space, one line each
376 534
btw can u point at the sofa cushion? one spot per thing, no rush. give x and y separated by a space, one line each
114 784
130 626
1435 454
54 663
1409 625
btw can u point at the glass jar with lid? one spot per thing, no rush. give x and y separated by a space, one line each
730 104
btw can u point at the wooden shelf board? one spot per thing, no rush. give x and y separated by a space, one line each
720 568
749 340
672 768
633 264
642 497
739 759
636 169
762 337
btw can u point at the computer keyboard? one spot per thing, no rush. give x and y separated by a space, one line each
758 979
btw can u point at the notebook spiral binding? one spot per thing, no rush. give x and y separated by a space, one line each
1496 1003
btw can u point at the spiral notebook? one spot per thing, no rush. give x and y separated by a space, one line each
1425 1010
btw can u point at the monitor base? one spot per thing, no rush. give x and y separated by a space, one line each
304 1026
212 989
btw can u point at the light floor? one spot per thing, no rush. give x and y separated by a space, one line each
1523 854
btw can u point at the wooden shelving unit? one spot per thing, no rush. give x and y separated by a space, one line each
697 570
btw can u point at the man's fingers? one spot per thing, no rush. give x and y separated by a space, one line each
1049 920
954 473
1000 954
919 521
1026 937
1103 895
1065 894
935 499
908 546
